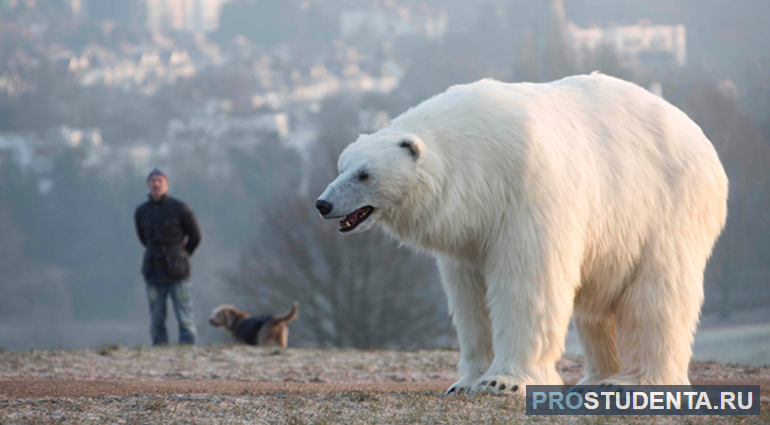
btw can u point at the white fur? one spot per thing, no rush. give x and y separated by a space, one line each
587 194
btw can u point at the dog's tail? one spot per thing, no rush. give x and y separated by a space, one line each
288 317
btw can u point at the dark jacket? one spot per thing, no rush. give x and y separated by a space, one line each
248 329
169 231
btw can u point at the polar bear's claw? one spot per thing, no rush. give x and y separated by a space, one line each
497 385
459 387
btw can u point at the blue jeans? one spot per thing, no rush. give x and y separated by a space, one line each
183 309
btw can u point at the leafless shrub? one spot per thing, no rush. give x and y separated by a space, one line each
358 291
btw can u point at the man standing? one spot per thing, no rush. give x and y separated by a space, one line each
169 232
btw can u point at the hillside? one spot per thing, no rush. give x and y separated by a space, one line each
238 384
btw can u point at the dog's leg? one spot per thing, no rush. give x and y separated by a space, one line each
283 336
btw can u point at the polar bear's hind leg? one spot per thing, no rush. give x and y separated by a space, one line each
656 319
597 337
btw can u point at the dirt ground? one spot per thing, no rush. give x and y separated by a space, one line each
238 384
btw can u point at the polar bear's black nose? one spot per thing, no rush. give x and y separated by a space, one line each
323 207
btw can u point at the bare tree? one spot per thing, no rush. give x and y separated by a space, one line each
559 59
740 254
527 65
32 292
358 291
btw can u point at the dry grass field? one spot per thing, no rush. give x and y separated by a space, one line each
238 384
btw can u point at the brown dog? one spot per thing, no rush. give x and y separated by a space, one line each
264 329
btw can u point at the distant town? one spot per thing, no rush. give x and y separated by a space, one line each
289 82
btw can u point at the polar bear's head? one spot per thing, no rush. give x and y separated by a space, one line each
376 173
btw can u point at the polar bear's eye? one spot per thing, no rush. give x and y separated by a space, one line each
363 176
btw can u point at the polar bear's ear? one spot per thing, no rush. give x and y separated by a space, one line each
413 148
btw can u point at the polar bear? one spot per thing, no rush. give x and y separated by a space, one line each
587 195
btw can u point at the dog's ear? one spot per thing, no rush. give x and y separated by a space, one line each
230 318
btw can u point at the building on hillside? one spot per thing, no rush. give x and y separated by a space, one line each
640 44
391 20
184 15
634 44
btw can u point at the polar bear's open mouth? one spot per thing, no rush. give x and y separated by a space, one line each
355 218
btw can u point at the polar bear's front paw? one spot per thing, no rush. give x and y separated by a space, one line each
460 387
499 385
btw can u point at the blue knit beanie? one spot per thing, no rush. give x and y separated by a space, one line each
156 172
